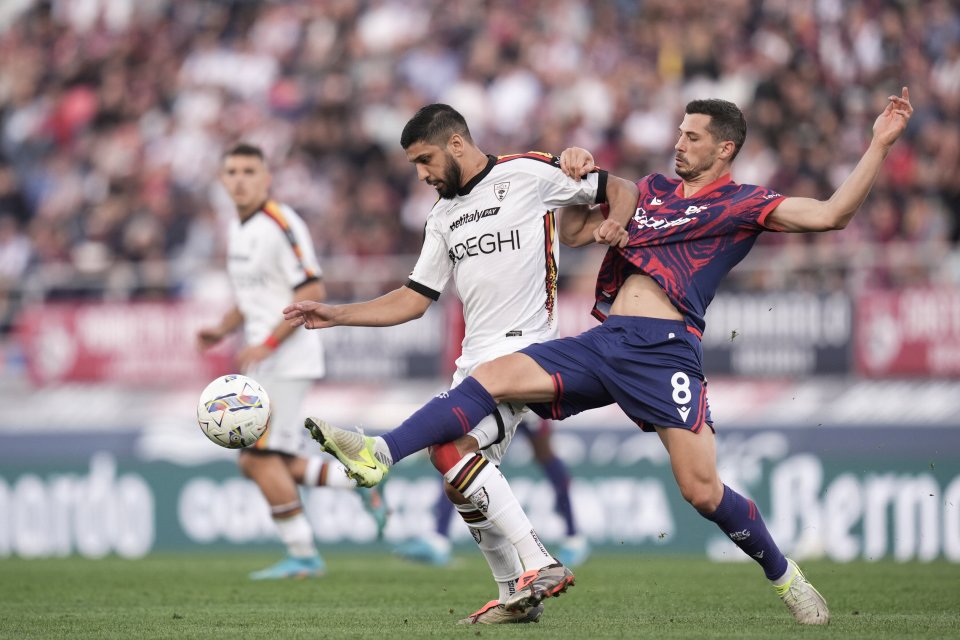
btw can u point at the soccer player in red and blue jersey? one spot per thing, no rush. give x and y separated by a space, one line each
652 295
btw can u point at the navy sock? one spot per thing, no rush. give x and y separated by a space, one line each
556 472
444 419
740 519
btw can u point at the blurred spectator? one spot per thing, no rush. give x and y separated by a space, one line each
112 113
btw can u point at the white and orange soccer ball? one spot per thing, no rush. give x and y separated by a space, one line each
234 411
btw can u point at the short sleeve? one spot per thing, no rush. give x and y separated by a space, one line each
434 267
754 204
556 189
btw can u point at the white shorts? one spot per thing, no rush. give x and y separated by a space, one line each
286 433
495 432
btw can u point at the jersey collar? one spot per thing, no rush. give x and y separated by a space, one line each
259 209
475 180
719 182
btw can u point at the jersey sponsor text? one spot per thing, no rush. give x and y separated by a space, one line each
485 244
473 217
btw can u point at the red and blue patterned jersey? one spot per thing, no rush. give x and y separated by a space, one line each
687 245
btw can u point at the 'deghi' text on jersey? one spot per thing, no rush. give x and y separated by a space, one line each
497 240
686 244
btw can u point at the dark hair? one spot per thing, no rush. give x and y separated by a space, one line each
244 149
434 124
726 121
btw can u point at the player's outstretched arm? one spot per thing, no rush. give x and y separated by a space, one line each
400 305
807 214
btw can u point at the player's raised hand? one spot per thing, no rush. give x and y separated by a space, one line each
610 233
891 123
310 314
576 162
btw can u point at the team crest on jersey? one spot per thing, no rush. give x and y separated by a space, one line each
500 190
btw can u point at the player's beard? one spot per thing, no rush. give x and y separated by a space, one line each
692 172
450 183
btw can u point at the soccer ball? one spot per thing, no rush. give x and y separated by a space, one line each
233 411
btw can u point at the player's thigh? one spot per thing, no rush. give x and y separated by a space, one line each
656 377
515 378
286 433
572 365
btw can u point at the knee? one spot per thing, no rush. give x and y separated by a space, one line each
445 456
453 495
702 496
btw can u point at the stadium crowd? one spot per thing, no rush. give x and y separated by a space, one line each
114 115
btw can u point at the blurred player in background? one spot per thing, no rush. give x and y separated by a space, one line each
435 547
493 233
271 262
652 296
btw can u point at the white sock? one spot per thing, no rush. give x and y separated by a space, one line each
786 577
382 451
296 534
483 485
499 553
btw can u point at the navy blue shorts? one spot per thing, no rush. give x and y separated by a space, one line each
653 369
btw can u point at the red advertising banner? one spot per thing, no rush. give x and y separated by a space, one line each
914 332
123 343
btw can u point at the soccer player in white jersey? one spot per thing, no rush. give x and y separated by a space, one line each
493 233
271 263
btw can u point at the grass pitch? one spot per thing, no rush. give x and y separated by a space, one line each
375 595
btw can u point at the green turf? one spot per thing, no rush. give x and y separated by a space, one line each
378 596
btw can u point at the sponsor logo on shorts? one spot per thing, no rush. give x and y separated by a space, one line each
739 536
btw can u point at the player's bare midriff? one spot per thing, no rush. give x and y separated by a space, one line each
640 295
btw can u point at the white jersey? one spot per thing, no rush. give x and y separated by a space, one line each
497 240
269 255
